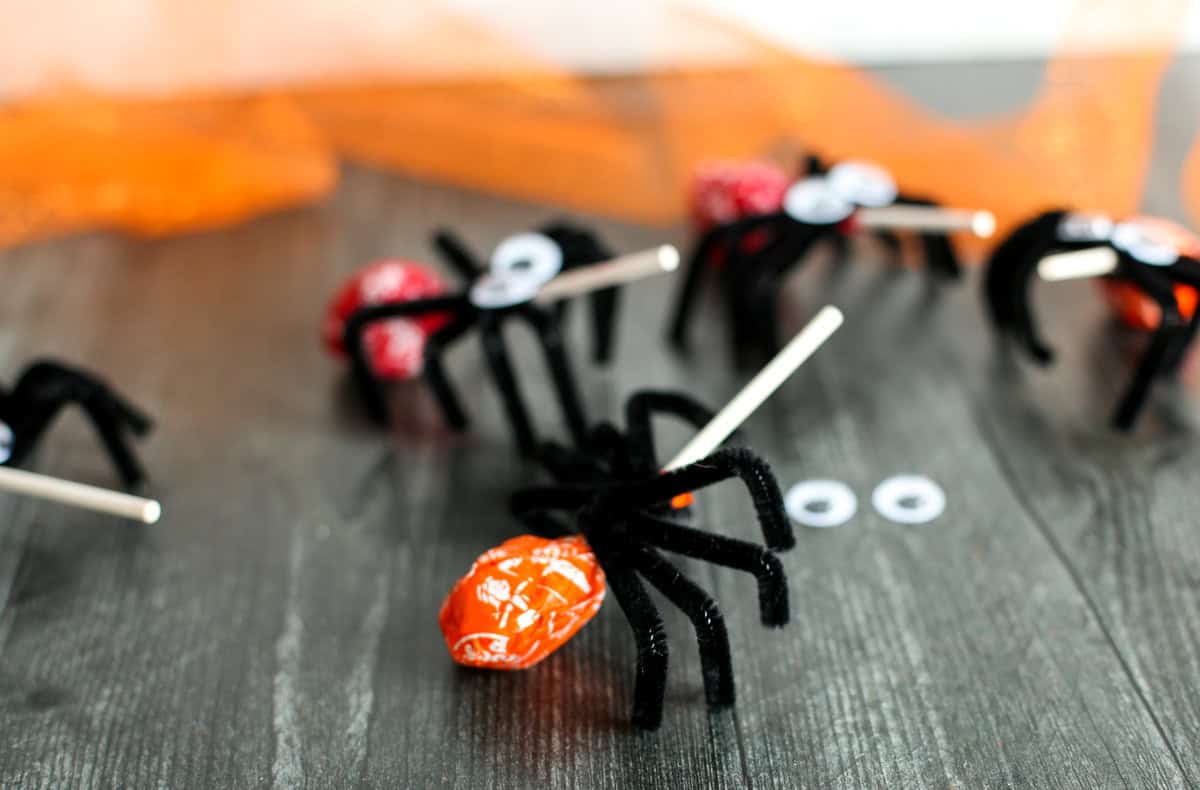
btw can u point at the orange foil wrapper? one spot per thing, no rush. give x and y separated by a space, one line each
521 601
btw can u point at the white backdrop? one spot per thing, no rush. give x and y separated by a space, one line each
164 45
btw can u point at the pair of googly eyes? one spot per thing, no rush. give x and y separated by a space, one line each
831 198
520 266
1143 241
7 439
903 499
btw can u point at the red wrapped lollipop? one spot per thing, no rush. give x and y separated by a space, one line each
396 345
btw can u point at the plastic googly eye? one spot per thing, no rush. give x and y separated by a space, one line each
1145 243
494 291
909 499
1081 227
820 503
528 255
814 202
863 183
7 439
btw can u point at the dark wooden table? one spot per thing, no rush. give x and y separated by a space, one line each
278 628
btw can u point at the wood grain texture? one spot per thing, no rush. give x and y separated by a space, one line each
278 628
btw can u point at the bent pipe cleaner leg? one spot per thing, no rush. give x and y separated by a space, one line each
605 308
1171 330
369 387
46 388
495 351
456 254
128 466
554 351
712 638
1008 282
685 299
443 391
47 379
641 406
940 258
724 238
653 654
732 553
765 286
724 464
1186 270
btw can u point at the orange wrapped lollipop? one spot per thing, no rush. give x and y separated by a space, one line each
520 601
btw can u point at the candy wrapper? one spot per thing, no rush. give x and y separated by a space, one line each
522 601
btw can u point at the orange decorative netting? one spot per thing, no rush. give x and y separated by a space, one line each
621 146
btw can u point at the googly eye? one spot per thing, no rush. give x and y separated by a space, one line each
7 439
496 291
529 255
1079 227
909 499
863 183
814 202
820 503
1145 243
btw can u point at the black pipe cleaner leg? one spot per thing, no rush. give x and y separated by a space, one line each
724 464
641 406
716 665
495 351
605 305
653 654
443 391
724 239
555 353
353 338
47 387
1171 330
456 253
730 552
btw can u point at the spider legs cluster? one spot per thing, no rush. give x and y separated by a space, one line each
43 390
622 506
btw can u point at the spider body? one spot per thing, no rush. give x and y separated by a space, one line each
756 251
40 394
617 499
1148 260
519 266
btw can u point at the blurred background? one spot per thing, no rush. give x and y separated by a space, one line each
164 116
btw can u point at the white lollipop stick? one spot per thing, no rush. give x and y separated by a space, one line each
618 271
101 500
759 388
928 219
1094 262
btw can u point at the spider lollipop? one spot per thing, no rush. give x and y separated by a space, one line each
30 407
1151 270
522 282
756 250
43 390
605 521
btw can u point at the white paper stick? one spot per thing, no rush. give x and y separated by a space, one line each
90 497
930 219
1093 262
624 269
759 388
